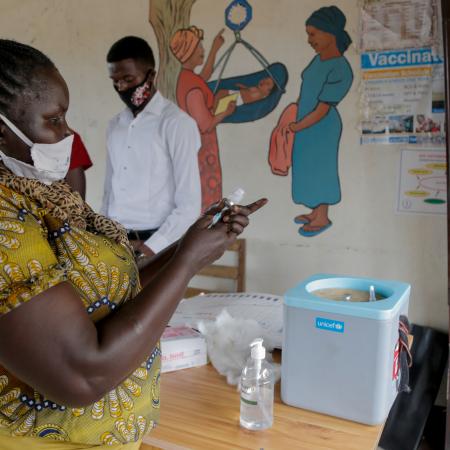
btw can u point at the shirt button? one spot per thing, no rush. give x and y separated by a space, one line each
124 167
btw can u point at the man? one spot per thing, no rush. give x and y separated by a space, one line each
152 183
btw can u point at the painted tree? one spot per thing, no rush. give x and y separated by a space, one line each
166 17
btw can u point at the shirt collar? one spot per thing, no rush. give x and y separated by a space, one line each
155 105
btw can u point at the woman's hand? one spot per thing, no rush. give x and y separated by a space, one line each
312 118
231 108
237 216
201 245
215 208
218 41
295 127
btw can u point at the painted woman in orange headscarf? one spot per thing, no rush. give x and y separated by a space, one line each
196 98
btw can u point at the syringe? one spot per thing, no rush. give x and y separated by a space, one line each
233 199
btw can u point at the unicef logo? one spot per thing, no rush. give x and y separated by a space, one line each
329 325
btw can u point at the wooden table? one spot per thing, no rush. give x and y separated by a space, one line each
200 411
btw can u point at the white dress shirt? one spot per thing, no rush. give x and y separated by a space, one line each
152 176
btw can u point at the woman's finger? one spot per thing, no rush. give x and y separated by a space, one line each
249 209
257 205
237 218
236 228
229 230
204 221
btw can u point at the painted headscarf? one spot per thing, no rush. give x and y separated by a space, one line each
184 42
331 20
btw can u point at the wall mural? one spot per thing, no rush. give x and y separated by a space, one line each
314 148
308 132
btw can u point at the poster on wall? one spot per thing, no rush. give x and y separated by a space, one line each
402 97
423 182
393 24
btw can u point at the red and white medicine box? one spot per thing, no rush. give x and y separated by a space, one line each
181 348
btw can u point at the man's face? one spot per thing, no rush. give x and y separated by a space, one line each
127 73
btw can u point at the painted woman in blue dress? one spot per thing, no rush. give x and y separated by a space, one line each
325 82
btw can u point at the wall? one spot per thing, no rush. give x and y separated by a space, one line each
367 238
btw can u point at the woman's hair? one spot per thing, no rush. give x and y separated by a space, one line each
331 20
18 67
131 47
184 42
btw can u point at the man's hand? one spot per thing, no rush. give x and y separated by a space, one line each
139 246
143 254
147 251
136 244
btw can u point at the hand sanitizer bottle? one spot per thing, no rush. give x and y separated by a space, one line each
257 382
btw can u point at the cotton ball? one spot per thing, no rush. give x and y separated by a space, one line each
228 340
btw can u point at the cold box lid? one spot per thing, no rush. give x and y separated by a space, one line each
395 294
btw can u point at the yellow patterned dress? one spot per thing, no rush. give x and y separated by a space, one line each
37 252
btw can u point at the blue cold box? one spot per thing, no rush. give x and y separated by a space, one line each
338 356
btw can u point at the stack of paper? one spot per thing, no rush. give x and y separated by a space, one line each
266 309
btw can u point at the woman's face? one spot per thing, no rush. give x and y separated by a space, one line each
40 113
319 40
198 56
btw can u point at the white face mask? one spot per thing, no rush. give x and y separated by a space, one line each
51 161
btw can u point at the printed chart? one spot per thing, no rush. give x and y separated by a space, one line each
423 184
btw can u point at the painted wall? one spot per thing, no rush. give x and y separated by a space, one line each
368 238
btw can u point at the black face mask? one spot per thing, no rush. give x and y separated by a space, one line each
137 96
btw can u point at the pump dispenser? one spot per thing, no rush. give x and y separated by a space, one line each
257 383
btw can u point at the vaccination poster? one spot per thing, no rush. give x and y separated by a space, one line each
402 97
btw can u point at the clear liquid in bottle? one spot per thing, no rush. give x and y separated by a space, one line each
257 382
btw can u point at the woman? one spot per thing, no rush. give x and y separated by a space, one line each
325 82
196 98
79 353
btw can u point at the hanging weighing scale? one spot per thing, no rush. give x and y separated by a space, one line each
238 15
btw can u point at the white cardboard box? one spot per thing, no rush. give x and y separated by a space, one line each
181 348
